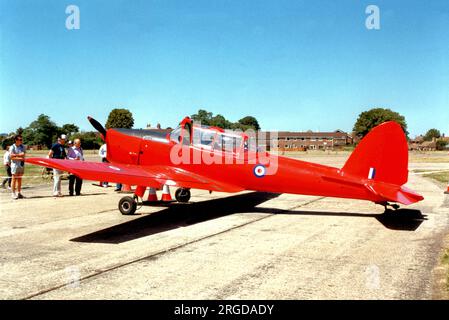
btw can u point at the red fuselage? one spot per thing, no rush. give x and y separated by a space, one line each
292 176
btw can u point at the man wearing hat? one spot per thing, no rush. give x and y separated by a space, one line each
57 151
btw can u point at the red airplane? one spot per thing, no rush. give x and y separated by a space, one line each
376 170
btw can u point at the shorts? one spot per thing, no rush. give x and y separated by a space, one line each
16 168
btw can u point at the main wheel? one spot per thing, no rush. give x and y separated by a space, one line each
182 195
127 205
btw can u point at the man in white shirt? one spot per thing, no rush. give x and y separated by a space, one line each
7 164
103 153
57 151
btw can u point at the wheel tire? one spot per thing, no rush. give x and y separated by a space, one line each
127 205
182 195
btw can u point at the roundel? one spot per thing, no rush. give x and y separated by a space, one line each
259 171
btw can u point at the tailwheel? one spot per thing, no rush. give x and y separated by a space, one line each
390 206
127 205
182 195
395 206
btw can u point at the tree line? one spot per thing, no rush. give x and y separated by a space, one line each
373 117
43 131
207 118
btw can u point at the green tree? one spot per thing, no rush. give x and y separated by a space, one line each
207 118
441 144
432 133
7 141
220 121
69 129
89 139
371 118
19 130
239 126
251 122
120 118
40 132
202 116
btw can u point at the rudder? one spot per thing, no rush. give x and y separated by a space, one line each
382 155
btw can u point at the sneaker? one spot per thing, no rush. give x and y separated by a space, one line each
9 188
14 196
20 196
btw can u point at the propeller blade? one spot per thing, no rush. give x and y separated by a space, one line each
97 125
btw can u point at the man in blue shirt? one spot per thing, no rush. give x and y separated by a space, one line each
57 151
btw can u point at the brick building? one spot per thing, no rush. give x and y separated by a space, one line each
418 144
300 141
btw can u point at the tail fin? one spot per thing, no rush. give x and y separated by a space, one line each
381 156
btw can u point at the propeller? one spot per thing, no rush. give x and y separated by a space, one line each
97 125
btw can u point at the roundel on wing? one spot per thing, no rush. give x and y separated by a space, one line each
259 171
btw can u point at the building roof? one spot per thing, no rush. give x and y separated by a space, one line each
298 134
429 144
418 139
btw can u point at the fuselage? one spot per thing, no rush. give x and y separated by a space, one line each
252 170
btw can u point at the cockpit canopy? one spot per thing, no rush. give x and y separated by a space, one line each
213 138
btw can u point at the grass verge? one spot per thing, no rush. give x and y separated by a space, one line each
439 176
445 263
33 176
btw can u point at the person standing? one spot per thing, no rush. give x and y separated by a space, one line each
7 164
75 153
103 155
17 155
57 151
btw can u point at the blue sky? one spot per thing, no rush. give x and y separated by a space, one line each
294 65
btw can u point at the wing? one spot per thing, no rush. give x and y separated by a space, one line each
150 176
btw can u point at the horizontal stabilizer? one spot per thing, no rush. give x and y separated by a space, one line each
394 193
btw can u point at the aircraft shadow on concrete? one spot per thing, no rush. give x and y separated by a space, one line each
182 215
178 215
401 219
